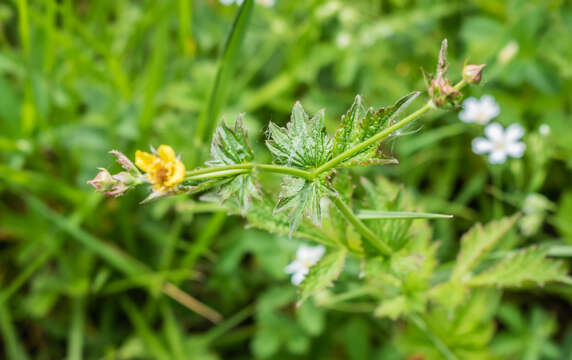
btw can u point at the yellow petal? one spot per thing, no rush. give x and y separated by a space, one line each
144 160
178 174
166 153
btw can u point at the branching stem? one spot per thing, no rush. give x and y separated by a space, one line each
228 170
379 136
361 227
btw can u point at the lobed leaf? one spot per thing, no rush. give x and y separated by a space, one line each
477 242
231 147
529 265
301 197
359 124
322 274
303 143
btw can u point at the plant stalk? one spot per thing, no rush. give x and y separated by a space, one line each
379 136
226 170
361 227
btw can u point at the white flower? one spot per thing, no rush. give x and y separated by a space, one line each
306 257
544 129
500 143
479 111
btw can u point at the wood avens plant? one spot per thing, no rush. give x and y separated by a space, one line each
316 202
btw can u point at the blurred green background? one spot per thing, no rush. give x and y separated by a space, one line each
81 276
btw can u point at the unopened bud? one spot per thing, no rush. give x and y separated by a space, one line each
103 181
124 161
473 73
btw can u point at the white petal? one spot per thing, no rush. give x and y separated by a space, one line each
481 145
294 267
226 2
497 157
515 149
494 132
514 132
470 110
310 254
489 107
298 277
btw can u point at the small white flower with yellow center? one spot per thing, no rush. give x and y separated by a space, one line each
479 111
500 143
306 257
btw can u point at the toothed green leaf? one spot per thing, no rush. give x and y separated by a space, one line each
301 197
359 124
303 143
477 242
322 274
231 147
521 267
260 215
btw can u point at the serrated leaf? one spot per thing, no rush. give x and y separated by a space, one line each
392 308
303 143
240 190
322 274
231 147
477 242
300 197
260 216
359 124
525 266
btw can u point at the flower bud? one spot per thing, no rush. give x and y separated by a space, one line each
124 161
473 73
103 181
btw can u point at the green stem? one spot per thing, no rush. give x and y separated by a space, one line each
217 174
439 344
361 227
379 136
227 170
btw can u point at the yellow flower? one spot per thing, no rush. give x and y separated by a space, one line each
163 169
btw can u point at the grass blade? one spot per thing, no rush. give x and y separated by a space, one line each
217 96
395 215
118 259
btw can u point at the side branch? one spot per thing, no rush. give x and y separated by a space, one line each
361 227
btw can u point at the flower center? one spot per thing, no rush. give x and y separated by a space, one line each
162 175
481 118
500 145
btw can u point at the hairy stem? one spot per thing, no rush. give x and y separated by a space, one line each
439 344
228 170
379 136
361 227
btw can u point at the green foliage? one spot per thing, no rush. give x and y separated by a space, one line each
526 337
359 124
521 268
322 274
303 143
231 147
476 243
178 278
461 334
301 197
